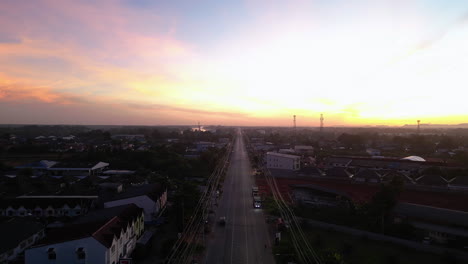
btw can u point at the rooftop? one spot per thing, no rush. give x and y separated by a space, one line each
102 229
283 155
153 191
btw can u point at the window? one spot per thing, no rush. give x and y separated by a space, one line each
80 253
51 253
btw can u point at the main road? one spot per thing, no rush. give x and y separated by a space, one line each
244 239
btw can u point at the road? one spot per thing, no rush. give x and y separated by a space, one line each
243 238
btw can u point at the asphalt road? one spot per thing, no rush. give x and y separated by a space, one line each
243 238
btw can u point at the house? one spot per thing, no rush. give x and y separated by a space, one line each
103 240
276 160
47 206
17 234
367 175
152 198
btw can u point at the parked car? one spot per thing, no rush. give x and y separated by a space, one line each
222 220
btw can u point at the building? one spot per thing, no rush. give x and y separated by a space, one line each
150 197
104 239
77 170
17 234
304 150
276 160
316 196
47 206
203 146
368 176
441 225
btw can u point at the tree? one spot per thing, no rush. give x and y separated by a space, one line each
383 202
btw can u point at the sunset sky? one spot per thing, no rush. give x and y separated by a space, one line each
252 62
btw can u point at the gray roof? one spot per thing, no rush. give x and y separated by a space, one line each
102 214
153 191
13 231
321 189
433 214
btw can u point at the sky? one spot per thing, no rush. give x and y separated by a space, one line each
245 62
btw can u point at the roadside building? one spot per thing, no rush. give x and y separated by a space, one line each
17 234
103 240
282 161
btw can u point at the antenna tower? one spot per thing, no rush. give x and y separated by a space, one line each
321 123
419 121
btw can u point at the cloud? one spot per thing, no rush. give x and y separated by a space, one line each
169 108
15 92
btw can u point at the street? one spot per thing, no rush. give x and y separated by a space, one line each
244 238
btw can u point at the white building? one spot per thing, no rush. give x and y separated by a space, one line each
46 206
282 161
151 198
98 242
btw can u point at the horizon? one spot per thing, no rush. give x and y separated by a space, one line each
235 63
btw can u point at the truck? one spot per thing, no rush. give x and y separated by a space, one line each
257 202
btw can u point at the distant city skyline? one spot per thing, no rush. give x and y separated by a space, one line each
252 62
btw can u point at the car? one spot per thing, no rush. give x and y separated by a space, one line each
222 220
